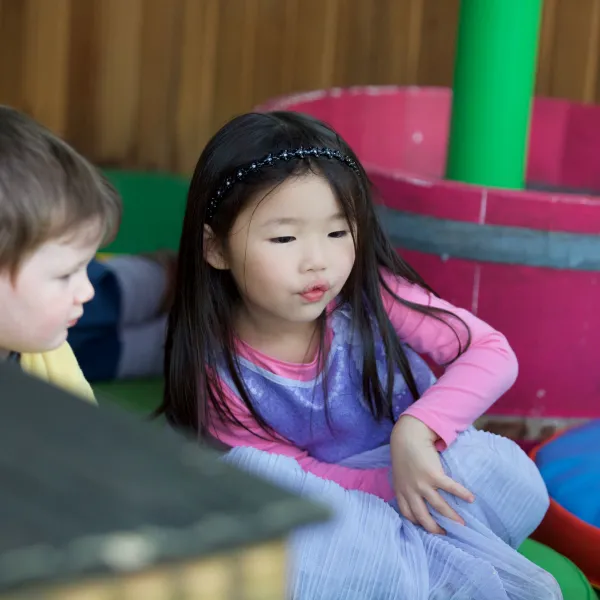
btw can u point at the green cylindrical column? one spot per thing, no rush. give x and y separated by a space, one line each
494 82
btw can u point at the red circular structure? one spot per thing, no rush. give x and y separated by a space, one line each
561 530
528 262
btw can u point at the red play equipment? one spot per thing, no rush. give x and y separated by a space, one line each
528 262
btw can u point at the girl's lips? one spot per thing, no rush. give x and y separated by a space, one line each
314 295
315 292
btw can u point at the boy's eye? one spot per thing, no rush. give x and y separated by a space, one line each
338 234
283 240
76 270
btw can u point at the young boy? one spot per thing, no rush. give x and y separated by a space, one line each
55 212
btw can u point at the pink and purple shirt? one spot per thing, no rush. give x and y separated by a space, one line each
289 396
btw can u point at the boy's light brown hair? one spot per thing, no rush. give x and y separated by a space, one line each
47 190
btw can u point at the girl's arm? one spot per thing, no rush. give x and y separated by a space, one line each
374 481
473 382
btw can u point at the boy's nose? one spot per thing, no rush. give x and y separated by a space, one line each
86 292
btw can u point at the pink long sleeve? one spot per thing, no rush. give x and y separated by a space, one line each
374 481
473 382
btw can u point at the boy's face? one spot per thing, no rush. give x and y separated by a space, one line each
47 295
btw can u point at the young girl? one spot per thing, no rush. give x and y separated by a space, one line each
296 336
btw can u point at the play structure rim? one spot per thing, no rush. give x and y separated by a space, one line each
288 101
561 513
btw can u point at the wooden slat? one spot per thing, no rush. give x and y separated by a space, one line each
159 76
414 40
12 52
195 93
389 55
268 74
253 573
82 87
355 34
290 30
438 42
573 51
46 61
119 79
313 43
145 83
546 47
237 30
592 81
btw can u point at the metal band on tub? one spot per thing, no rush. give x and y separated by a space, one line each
491 243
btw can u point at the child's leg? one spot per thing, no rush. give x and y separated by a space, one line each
362 553
122 331
511 500
146 284
143 287
95 338
511 497
142 349
368 552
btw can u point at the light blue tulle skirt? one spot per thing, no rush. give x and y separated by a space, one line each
368 551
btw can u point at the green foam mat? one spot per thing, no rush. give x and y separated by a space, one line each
140 395
571 580
153 210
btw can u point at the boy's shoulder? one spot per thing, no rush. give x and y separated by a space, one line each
59 367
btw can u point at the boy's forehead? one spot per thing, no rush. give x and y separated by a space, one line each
76 246
64 249
84 235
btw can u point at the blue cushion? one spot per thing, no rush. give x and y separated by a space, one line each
570 466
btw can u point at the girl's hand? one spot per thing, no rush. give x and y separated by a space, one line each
418 475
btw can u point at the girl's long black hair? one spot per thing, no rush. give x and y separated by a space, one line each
200 330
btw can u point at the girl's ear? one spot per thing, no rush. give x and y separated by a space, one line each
213 250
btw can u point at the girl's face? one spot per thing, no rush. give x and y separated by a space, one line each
290 252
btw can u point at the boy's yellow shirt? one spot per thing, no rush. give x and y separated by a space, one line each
60 368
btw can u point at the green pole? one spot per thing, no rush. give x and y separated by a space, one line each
494 81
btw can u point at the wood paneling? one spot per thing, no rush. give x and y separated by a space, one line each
144 83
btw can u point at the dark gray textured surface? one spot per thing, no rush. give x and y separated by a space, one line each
491 243
82 486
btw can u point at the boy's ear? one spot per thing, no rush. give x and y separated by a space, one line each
213 250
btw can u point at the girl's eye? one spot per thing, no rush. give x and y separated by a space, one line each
283 240
338 234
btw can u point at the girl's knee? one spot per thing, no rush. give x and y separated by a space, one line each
508 485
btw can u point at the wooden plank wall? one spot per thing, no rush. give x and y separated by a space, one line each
144 83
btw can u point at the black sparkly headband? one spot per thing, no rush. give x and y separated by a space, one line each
270 160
